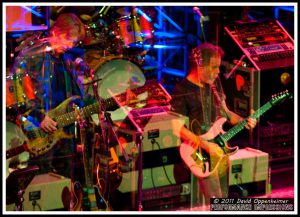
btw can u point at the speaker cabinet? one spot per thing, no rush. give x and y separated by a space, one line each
159 143
249 169
248 165
165 177
46 192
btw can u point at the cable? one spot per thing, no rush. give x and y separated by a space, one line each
153 141
242 190
151 167
34 203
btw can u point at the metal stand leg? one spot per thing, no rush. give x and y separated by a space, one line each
140 172
20 200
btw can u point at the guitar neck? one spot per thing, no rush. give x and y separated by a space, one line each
237 128
70 118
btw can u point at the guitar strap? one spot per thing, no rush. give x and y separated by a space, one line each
46 71
72 78
217 99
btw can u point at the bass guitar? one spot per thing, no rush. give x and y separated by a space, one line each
198 160
40 142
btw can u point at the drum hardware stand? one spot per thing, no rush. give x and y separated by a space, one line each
140 171
108 124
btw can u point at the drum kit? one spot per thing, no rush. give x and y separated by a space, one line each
115 48
123 36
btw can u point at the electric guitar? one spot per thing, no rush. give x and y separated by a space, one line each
40 142
197 159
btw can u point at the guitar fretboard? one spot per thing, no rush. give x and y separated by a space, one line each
70 118
237 128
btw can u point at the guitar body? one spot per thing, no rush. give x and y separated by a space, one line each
198 167
107 170
92 197
198 160
40 142
101 202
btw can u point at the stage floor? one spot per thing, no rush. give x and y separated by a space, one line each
282 187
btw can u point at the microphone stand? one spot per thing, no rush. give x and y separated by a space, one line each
201 20
202 27
227 76
138 141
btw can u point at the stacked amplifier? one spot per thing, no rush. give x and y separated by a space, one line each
149 129
258 63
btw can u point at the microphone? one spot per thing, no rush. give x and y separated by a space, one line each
197 11
202 17
79 62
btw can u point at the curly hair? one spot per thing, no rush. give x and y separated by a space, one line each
201 55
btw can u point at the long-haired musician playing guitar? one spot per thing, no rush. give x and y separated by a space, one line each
200 97
49 61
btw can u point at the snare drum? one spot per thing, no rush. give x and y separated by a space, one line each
19 89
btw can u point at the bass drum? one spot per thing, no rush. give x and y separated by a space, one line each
116 76
14 140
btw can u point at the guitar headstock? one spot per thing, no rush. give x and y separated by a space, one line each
280 97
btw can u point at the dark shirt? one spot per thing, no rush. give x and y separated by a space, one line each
54 79
197 103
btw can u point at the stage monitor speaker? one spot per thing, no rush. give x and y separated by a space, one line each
249 165
159 145
46 192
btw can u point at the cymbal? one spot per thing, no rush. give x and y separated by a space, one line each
86 18
124 11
